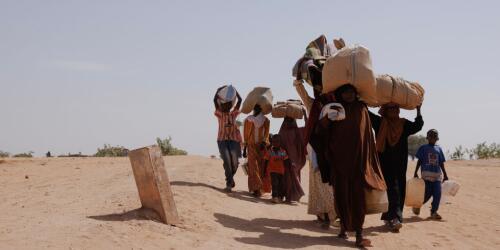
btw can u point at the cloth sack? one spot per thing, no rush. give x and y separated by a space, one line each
291 108
261 96
407 94
334 112
351 65
226 94
415 192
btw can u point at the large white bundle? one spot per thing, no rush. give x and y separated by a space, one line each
352 65
408 95
415 192
376 201
291 108
261 96
227 94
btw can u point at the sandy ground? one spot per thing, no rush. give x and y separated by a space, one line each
91 203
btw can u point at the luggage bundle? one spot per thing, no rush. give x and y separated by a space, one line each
226 94
390 89
316 53
290 108
351 65
261 96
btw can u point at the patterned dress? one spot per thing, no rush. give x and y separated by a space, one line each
320 194
253 137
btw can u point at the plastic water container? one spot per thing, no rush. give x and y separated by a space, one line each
450 188
415 192
376 201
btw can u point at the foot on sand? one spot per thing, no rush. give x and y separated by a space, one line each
343 235
436 216
228 190
362 242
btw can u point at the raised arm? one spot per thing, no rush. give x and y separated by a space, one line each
238 103
304 96
215 98
414 127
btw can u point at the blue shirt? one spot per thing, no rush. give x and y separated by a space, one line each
431 157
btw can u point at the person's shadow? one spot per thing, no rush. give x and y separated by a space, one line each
241 195
273 232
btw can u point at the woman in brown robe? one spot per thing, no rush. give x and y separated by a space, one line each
351 163
291 140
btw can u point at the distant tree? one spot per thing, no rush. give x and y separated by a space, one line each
167 148
24 155
414 142
109 151
458 153
4 154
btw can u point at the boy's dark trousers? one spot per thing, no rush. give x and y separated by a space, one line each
433 189
277 185
229 151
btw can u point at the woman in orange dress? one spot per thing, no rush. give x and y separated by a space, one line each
256 138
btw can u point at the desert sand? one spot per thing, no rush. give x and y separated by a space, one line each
92 203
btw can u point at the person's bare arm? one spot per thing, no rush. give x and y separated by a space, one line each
304 96
238 103
416 169
215 98
444 172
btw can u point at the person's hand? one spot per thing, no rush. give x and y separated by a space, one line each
445 178
324 121
418 109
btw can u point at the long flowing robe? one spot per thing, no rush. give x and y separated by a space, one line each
253 138
320 194
394 162
351 162
291 141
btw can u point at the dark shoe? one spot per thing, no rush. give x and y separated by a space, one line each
396 225
228 190
343 235
436 216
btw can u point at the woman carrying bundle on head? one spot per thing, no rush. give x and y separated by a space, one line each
292 138
392 147
256 139
351 163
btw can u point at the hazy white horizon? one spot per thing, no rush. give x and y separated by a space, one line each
75 75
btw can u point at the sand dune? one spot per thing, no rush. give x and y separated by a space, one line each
92 203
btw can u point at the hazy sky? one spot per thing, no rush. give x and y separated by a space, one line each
77 74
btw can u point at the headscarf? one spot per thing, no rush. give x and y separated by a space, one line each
390 130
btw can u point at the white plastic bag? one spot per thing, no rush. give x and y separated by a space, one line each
334 112
450 188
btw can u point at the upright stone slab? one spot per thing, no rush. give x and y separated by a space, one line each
152 182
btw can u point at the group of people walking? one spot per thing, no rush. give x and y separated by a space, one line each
347 158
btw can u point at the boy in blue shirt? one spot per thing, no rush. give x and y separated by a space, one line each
431 159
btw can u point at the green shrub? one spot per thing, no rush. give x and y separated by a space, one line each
4 154
458 153
167 148
24 155
111 151
414 142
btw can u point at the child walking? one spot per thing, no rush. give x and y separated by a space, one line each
431 159
276 160
228 137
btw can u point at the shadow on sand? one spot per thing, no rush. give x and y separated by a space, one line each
241 195
136 214
272 232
